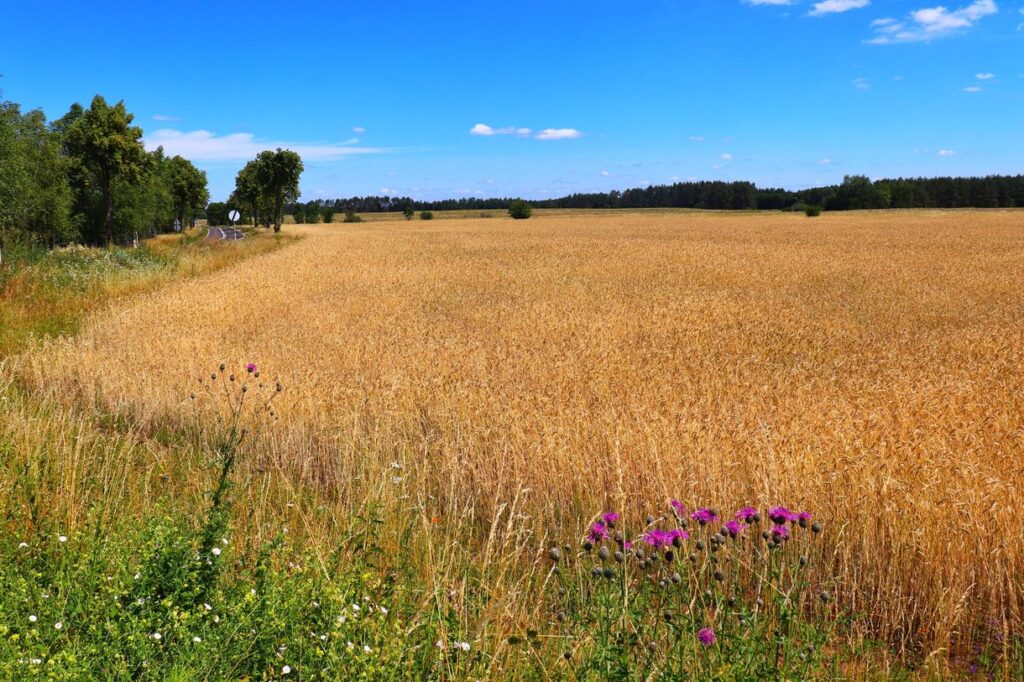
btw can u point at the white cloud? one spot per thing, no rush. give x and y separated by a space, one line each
973 88
605 174
162 117
485 130
770 2
947 152
837 6
696 138
559 134
861 83
825 162
726 156
984 76
359 130
930 23
202 145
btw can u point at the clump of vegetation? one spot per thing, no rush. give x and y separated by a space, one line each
426 215
690 596
812 211
520 210
351 217
408 212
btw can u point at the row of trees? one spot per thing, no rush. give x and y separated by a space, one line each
87 177
263 187
855 192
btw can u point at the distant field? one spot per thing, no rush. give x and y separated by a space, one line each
526 375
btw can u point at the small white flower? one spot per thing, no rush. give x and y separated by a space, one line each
157 636
22 545
384 610
285 669
63 538
463 645
341 619
439 644
366 648
396 465
216 551
140 601
224 541
197 639
32 619
138 576
355 607
35 661
349 645
58 625
216 619
323 638
316 605
207 607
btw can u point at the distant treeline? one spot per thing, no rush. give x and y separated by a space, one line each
86 177
855 192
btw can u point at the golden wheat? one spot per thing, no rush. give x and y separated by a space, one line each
524 375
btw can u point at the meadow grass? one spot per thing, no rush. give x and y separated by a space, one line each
478 391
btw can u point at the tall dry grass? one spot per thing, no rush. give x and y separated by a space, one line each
524 375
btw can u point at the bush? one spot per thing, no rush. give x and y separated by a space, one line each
351 217
812 211
408 213
520 210
426 215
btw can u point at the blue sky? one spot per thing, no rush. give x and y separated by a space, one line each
541 99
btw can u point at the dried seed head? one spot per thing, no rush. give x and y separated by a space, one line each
555 554
693 557
650 519
609 573
719 576
619 557
222 366
603 553
669 556
588 545
825 596
676 578
816 527
700 545
803 561
567 655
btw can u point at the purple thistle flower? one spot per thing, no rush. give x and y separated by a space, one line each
250 368
706 636
704 515
657 538
745 514
598 532
610 518
779 515
678 506
781 531
677 533
735 527
627 545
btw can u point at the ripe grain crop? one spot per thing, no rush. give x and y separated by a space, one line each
509 378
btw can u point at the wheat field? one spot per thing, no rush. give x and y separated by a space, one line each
509 379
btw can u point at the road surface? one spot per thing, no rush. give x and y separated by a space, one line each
230 234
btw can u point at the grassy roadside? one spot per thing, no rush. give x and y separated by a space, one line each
48 293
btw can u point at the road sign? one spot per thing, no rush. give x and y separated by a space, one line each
177 225
234 215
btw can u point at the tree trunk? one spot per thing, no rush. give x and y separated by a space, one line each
108 205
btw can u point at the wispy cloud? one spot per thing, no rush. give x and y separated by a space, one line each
837 6
984 76
696 138
930 23
359 130
972 88
770 2
559 134
947 152
726 156
605 174
861 83
203 145
484 130
825 162
164 117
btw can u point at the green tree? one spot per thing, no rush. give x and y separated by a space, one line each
277 178
247 192
188 188
109 148
35 197
520 210
408 212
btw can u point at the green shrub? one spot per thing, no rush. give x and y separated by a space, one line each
351 217
426 215
520 210
812 211
408 212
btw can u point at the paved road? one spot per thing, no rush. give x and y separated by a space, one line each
230 234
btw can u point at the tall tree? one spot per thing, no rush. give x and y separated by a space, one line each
106 144
188 187
277 176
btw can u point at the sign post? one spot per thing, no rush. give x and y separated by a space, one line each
233 217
